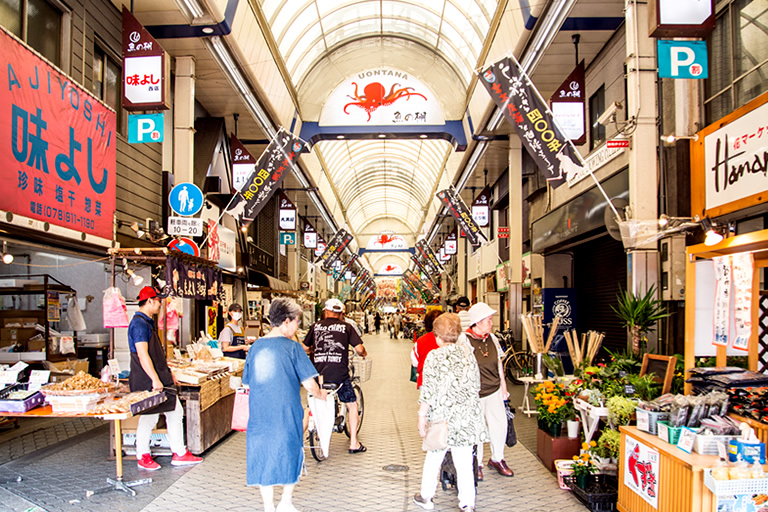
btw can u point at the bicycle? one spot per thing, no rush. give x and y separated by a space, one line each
516 362
340 411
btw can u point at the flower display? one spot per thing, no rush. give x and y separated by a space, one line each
553 403
584 464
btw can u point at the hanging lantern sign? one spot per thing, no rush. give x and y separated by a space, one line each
310 236
480 209
451 243
287 211
145 68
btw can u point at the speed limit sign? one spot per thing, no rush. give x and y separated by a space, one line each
185 226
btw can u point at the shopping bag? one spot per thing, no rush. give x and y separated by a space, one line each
240 412
324 413
114 310
74 315
511 434
414 374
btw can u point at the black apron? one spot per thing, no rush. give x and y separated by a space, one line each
140 381
236 341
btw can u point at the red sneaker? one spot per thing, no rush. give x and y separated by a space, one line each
147 464
185 460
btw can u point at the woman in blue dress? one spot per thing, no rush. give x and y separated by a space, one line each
275 370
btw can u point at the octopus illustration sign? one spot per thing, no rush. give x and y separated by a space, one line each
386 241
641 470
381 96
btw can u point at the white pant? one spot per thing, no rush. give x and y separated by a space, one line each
173 420
492 407
465 478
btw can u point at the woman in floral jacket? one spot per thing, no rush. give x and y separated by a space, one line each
450 391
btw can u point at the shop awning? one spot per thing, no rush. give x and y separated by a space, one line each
262 279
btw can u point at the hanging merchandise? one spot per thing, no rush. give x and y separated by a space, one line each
74 315
742 270
722 299
174 308
115 312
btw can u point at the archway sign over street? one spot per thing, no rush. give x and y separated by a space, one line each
186 199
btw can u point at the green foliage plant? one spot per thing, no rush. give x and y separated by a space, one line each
620 410
609 443
639 314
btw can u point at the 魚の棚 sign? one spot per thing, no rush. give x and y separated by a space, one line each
145 67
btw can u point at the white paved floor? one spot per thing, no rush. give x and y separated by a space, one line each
347 482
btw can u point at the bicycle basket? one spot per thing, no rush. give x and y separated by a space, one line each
361 368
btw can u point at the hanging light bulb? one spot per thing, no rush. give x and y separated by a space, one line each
136 279
712 236
7 257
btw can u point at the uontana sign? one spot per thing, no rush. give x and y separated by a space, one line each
58 157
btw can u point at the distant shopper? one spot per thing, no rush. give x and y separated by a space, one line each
377 322
232 337
462 309
397 321
493 384
331 339
274 368
450 392
426 343
150 372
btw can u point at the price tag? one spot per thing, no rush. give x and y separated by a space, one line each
622 374
687 438
643 420
114 367
177 353
629 389
185 226
37 378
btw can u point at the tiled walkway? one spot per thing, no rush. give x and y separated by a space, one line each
56 478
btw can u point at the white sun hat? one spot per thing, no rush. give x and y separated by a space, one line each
480 311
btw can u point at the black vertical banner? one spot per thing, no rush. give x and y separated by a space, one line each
460 211
333 250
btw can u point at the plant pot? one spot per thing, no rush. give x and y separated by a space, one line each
573 428
582 479
555 429
542 424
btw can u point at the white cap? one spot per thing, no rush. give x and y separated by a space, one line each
480 311
334 305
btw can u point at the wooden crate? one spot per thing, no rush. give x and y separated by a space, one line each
225 389
210 392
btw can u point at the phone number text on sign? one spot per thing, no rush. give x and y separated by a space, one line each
185 226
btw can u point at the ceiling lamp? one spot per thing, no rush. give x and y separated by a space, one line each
712 236
671 138
7 257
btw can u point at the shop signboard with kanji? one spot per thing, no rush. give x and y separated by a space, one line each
145 68
59 142
569 106
641 470
480 208
243 163
310 235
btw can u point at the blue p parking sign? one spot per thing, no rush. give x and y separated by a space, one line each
145 128
682 59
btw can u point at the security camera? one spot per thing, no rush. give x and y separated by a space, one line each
609 116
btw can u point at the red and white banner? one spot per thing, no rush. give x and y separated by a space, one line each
58 145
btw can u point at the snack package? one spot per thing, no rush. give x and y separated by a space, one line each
756 470
740 471
720 470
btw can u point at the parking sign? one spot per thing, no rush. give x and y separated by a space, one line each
145 128
682 59
287 238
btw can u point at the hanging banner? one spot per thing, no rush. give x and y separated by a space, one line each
335 248
243 163
274 164
190 281
569 106
641 470
210 321
58 146
310 234
423 248
722 315
227 249
451 243
287 211
213 241
145 68
522 106
459 210
742 271
480 207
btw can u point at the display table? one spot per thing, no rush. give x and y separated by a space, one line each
117 483
680 478
590 417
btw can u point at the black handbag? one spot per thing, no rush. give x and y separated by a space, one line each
414 374
511 434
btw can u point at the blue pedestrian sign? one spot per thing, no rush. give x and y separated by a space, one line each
186 199
287 238
145 128
682 59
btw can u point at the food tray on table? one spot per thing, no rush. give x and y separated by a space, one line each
82 403
81 384
731 487
17 398
596 502
361 368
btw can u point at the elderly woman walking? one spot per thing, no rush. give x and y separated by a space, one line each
275 370
450 392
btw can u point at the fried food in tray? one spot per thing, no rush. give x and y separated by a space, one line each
122 405
80 384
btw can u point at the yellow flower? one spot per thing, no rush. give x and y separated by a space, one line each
592 444
584 446
575 457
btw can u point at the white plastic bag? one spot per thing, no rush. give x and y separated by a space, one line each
74 315
324 413
115 312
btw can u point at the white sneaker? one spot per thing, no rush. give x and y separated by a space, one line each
286 507
423 502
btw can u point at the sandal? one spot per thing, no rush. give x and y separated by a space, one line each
361 449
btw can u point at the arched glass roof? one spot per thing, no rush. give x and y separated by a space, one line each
308 30
376 179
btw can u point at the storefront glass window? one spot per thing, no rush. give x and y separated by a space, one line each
41 29
596 107
738 57
106 84
10 16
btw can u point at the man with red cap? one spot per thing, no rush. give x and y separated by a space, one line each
150 372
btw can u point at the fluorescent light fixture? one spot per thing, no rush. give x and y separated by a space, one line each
671 138
191 9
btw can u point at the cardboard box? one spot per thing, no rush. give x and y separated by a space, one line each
14 334
20 322
35 345
75 365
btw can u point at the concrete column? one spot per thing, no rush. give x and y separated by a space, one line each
642 106
515 223
461 263
184 120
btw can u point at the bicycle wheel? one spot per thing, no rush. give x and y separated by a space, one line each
511 370
314 446
360 409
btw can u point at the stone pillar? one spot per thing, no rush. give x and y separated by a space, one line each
184 120
515 223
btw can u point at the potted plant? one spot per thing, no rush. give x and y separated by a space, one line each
639 314
621 410
583 465
609 444
553 406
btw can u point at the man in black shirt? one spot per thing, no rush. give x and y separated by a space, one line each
331 339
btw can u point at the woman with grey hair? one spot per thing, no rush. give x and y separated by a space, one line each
275 370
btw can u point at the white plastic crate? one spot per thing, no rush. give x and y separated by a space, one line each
731 487
564 467
362 368
648 421
76 404
707 445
